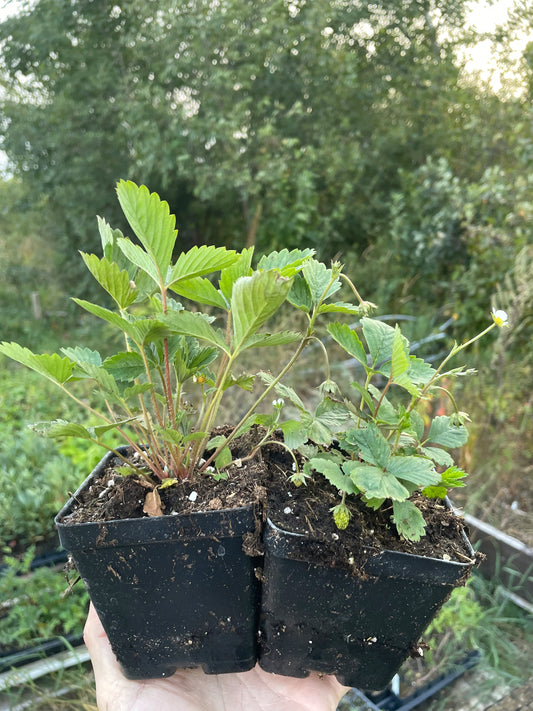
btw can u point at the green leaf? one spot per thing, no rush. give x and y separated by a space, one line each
333 474
240 268
409 520
418 470
417 422
141 259
254 300
287 262
400 364
451 478
61 428
115 281
245 382
339 307
364 394
262 340
373 446
439 456
375 482
103 378
52 367
294 434
199 261
420 372
187 323
82 355
125 366
201 291
318 276
349 340
111 317
224 458
379 337
443 432
150 219
299 295
284 391
435 492
109 238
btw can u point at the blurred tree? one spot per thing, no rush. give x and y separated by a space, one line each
278 122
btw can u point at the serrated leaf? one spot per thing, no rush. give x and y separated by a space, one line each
241 267
418 470
375 482
339 307
262 340
364 393
187 323
443 432
317 431
379 337
52 367
318 276
83 355
201 291
136 390
125 366
283 259
109 238
115 281
349 340
141 259
61 428
333 474
102 377
199 261
111 317
332 413
245 382
373 446
451 478
420 371
294 434
439 456
400 364
299 295
409 520
254 300
284 391
150 219
435 492
417 422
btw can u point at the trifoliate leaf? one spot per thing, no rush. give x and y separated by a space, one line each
318 277
376 483
199 261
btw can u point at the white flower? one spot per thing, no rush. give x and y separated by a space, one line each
500 318
278 404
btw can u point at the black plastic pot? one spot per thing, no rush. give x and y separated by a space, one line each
171 591
358 627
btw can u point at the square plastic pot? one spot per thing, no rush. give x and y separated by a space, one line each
171 591
358 626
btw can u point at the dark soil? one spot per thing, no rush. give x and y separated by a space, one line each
305 509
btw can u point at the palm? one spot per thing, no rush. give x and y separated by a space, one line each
192 690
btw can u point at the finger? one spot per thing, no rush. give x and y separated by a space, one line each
104 662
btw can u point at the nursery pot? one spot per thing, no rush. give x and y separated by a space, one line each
359 626
171 591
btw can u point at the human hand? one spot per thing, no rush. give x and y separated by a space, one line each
192 690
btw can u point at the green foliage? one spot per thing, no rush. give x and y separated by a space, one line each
33 608
141 386
385 452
